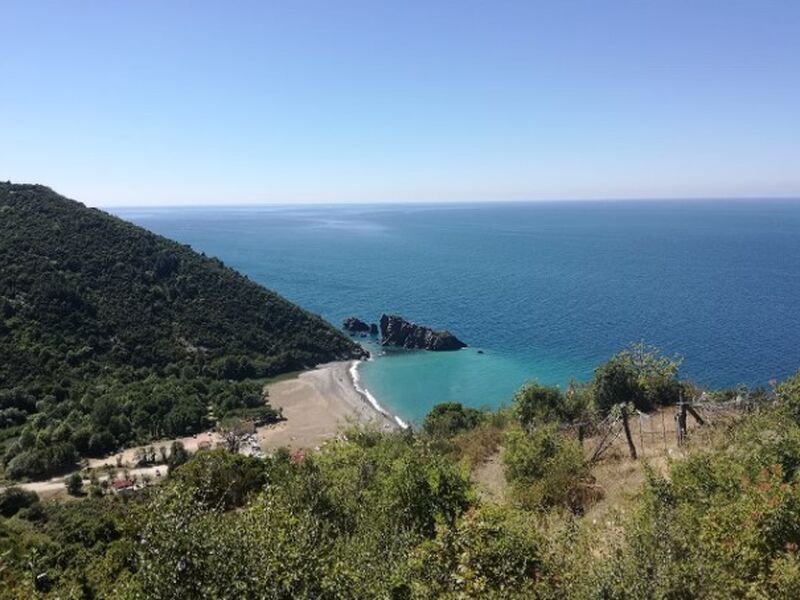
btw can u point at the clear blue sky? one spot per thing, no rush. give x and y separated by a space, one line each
134 103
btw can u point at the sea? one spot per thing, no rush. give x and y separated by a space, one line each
540 291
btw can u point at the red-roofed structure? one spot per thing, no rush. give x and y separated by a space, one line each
122 484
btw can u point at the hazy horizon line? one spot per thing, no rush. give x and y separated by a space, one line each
377 203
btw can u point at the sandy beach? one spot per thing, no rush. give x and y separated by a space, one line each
316 406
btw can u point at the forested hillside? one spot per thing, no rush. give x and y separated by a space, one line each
110 334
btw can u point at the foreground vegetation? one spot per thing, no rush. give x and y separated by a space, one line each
112 336
399 516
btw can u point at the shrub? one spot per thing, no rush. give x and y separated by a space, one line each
14 499
490 552
74 484
788 393
448 418
222 479
545 467
177 455
536 403
640 375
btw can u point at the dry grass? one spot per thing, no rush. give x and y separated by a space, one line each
655 437
617 477
489 478
478 445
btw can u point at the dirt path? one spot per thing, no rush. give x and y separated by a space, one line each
316 405
490 478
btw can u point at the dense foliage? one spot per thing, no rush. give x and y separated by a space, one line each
111 335
545 468
390 516
535 404
449 418
639 375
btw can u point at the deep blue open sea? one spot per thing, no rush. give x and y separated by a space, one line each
546 290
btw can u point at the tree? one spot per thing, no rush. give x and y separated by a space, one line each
13 499
177 455
74 484
640 375
231 430
538 403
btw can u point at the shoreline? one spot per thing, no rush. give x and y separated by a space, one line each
317 404
355 378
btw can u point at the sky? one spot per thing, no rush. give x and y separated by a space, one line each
169 103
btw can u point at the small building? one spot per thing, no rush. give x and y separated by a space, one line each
123 486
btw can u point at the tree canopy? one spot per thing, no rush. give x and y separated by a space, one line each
111 335
640 375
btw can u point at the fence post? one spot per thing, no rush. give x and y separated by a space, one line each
627 429
641 438
681 423
695 414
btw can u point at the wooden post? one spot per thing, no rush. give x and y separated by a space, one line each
694 413
681 423
641 437
627 429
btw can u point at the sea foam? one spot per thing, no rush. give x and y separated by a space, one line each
356 378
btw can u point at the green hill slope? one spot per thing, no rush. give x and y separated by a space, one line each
110 334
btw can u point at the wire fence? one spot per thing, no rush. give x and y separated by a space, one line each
659 433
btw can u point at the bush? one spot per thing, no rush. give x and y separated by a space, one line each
14 499
448 418
74 484
178 455
222 479
545 467
495 552
640 375
535 403
788 393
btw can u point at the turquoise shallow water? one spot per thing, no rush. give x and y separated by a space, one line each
547 290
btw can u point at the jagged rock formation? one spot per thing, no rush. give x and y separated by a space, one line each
355 325
396 331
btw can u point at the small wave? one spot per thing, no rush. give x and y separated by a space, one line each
356 378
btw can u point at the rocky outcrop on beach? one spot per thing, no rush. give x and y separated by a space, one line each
396 331
355 325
